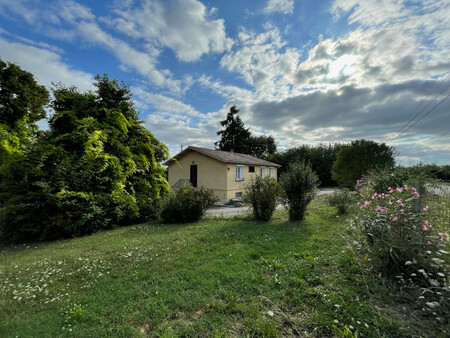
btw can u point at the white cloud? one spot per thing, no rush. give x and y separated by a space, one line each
280 6
165 105
69 21
185 26
47 65
263 62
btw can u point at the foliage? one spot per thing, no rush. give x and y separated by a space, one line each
239 139
418 176
22 102
263 195
260 146
320 157
342 199
234 136
299 184
358 158
403 245
95 168
187 204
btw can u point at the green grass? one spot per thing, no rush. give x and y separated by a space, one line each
213 278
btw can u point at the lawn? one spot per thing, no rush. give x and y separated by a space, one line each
213 278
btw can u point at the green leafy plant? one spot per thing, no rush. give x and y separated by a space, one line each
342 199
263 195
187 204
96 167
403 245
299 184
358 159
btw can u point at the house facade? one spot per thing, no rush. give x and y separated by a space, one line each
223 172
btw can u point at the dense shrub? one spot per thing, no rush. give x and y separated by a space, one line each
358 158
321 158
96 167
377 180
263 195
187 204
299 184
401 244
342 199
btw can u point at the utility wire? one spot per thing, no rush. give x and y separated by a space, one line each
427 113
431 93
420 112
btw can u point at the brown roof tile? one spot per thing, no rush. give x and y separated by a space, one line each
224 156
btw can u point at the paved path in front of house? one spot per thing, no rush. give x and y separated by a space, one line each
226 212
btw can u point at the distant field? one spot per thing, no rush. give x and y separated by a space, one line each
214 278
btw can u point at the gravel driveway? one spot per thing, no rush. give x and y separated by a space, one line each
226 212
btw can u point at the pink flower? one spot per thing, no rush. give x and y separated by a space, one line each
390 202
425 228
394 218
399 189
414 227
426 208
357 244
402 212
256 189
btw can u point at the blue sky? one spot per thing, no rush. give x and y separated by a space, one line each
304 71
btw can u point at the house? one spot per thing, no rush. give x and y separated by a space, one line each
224 172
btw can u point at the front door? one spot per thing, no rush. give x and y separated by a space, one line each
193 178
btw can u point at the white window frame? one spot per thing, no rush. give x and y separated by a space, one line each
262 171
270 172
239 172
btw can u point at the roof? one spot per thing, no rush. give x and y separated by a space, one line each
224 156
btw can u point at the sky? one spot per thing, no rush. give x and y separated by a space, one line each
303 71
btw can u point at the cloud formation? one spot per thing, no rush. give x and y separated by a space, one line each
280 6
185 26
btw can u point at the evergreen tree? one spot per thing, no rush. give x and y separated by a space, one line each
235 135
238 138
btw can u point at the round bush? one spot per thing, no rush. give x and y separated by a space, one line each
188 204
263 195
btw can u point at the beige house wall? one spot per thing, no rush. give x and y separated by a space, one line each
236 186
213 174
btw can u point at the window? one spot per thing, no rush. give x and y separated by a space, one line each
271 172
251 169
238 194
262 171
239 173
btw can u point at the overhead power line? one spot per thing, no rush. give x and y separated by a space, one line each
420 112
427 113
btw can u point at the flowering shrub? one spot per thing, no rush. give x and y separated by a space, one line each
402 244
263 195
